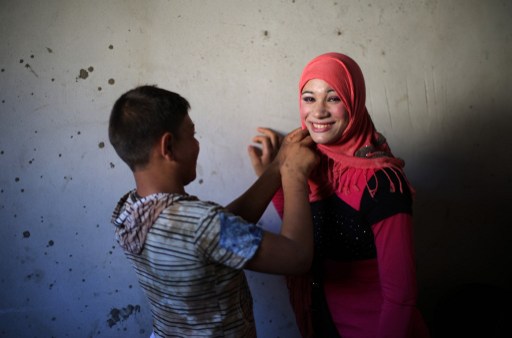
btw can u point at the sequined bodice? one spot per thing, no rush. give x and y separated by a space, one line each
341 232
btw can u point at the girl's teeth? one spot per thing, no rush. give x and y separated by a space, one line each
320 126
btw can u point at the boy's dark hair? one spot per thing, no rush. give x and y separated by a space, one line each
140 117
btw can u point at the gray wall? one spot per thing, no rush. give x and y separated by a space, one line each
438 80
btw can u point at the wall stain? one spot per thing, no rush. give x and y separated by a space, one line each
49 50
26 234
83 74
78 133
118 315
31 69
111 81
36 276
101 145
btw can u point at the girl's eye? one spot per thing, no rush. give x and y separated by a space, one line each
334 99
308 99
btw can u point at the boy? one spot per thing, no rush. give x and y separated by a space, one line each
189 255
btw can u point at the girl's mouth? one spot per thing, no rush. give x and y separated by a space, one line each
320 127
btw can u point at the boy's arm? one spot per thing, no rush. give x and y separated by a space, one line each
291 251
253 202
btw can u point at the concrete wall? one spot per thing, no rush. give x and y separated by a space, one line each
438 79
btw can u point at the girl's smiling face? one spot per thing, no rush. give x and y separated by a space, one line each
323 112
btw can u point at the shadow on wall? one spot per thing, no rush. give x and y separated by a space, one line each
473 311
462 229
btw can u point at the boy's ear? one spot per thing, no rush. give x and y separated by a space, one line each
165 145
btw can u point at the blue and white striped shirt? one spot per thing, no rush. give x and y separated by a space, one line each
190 265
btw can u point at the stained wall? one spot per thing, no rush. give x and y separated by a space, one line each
438 80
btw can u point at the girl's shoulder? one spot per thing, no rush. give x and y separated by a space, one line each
387 193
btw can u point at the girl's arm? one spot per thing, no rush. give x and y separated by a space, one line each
395 254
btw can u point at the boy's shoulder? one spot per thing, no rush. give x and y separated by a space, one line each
193 210
190 202
134 216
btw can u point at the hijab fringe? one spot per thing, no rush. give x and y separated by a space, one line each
345 179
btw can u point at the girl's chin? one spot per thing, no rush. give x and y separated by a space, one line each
321 138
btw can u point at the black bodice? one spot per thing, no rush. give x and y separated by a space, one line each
343 233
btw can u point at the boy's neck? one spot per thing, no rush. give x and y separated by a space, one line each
149 182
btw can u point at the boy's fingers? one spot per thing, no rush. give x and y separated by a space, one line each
267 147
307 141
297 135
254 155
275 137
254 152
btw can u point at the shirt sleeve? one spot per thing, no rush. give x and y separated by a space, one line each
393 239
227 239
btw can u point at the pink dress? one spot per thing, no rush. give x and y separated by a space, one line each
364 264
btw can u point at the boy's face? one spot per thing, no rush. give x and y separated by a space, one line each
186 150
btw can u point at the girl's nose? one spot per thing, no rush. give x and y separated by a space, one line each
320 110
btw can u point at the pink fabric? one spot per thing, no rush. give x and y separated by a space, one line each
373 298
361 149
395 254
345 77
377 298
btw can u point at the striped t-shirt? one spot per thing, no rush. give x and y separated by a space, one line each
190 263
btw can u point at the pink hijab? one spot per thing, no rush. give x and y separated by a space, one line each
361 150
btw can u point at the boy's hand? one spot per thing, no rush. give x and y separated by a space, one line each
270 142
291 252
297 156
